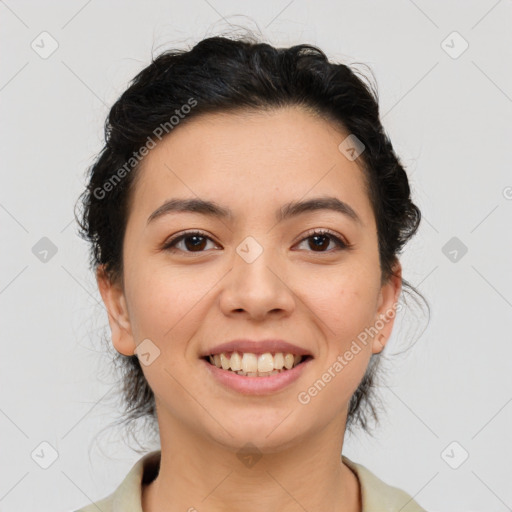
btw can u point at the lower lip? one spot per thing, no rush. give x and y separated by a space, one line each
256 385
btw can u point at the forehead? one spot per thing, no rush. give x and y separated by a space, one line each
251 158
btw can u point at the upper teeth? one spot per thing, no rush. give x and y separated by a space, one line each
248 362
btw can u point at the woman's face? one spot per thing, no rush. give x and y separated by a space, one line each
256 273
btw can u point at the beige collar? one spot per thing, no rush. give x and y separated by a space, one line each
377 496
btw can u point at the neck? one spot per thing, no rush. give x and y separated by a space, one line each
199 474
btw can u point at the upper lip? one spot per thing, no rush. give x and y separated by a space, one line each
257 347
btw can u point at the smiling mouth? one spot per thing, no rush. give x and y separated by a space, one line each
256 365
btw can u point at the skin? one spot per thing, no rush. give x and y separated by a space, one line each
185 302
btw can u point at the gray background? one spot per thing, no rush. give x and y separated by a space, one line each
449 117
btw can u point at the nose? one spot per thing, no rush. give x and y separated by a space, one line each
257 289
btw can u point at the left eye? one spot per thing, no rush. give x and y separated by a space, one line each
318 240
195 241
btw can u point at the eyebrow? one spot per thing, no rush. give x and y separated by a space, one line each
287 211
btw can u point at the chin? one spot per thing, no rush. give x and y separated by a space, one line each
265 436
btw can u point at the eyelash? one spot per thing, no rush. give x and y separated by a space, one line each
340 244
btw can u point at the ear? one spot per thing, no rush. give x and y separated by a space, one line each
386 308
118 317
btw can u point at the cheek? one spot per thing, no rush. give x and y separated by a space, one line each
164 302
345 306
344 301
165 308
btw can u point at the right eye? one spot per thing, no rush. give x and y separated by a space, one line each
193 241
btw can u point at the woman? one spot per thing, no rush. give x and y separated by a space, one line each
245 217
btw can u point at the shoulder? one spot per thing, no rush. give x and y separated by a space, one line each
105 505
127 496
377 495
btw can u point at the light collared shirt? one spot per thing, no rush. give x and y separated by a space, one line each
376 495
